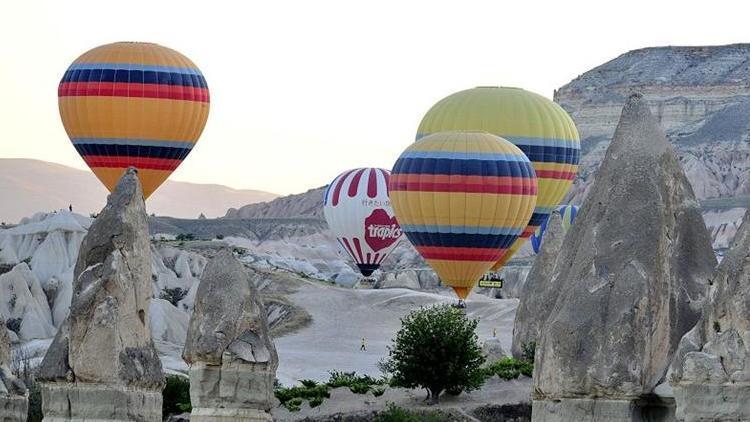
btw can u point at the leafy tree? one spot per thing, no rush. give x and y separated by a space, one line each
437 349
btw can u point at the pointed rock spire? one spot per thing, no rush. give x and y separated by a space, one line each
632 275
104 353
540 289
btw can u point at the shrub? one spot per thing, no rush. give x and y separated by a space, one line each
310 390
309 383
510 368
174 296
294 405
394 413
176 395
349 379
437 349
219 236
14 324
359 388
184 237
316 401
528 351
379 391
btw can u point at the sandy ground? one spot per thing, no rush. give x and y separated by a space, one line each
341 317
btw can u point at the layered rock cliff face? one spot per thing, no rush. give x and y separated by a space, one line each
699 95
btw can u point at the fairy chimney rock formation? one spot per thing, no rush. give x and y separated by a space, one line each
632 275
102 365
540 289
231 356
711 370
14 398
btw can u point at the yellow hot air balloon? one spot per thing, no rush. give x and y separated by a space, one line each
462 198
536 125
133 104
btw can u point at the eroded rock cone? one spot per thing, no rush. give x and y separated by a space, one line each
102 365
540 290
711 370
231 356
14 398
632 273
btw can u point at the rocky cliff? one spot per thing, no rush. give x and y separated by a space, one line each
699 95
308 204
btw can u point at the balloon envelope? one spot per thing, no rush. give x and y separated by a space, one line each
568 214
358 211
536 125
462 199
133 104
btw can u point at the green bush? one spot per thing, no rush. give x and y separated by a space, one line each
510 368
437 349
185 237
294 405
359 388
310 390
176 395
350 379
316 401
528 351
378 391
395 413
309 383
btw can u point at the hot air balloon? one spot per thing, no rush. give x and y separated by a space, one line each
462 198
536 125
133 104
358 211
568 214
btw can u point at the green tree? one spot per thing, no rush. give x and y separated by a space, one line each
437 349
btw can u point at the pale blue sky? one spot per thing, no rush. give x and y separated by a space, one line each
301 90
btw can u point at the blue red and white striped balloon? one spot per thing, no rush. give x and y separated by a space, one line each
358 211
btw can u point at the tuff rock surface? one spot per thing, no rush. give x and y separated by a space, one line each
711 371
102 365
14 398
232 359
540 289
632 275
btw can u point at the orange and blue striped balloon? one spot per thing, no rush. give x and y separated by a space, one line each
133 104
462 198
535 124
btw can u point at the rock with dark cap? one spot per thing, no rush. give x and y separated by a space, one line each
231 356
103 354
540 289
632 277
14 398
711 370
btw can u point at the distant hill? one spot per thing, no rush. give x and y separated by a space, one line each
308 204
28 186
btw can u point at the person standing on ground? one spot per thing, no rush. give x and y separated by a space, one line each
70 207
363 347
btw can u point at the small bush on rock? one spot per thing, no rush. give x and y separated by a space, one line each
176 396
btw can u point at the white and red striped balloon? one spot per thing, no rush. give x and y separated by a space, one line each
358 211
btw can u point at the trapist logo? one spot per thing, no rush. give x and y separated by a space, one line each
381 231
